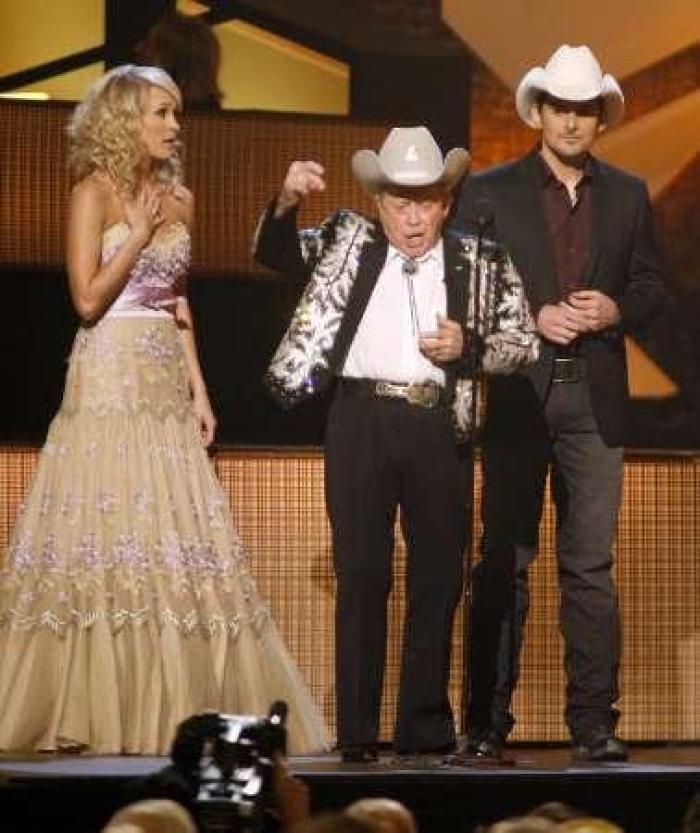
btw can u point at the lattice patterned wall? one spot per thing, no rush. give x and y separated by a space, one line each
277 501
234 163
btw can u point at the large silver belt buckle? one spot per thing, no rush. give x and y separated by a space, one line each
382 388
566 370
423 394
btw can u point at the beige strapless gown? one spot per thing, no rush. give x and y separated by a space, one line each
126 600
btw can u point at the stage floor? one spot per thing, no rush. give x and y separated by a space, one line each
648 794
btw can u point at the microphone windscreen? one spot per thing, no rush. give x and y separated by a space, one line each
278 712
482 212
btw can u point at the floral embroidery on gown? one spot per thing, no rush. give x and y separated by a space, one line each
126 601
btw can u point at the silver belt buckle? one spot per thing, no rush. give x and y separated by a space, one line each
423 394
382 388
566 369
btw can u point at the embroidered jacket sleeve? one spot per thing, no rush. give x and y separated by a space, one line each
510 340
326 259
503 336
278 244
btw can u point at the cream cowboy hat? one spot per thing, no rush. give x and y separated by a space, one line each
409 158
571 74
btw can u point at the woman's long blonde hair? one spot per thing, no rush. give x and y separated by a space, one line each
104 131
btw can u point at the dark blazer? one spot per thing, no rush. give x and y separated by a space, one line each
622 263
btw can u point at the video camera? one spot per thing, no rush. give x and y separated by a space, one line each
228 760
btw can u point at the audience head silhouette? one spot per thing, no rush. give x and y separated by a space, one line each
187 48
384 814
152 816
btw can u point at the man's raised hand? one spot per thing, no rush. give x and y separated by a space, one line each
302 179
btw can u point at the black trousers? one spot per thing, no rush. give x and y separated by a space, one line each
382 454
560 437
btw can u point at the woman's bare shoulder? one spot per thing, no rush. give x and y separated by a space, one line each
97 183
95 189
184 196
184 203
96 192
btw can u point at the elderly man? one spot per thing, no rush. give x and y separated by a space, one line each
388 311
580 232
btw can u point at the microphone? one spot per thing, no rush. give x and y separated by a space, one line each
482 214
276 738
278 713
409 267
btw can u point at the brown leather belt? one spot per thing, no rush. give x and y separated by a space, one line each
426 394
567 369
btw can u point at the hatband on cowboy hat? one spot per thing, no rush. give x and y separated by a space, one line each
571 74
409 158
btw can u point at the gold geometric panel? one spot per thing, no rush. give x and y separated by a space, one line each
34 32
658 145
646 380
67 86
262 71
626 35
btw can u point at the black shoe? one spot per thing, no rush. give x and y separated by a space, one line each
488 749
418 757
599 746
358 753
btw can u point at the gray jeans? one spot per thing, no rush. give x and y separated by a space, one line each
586 479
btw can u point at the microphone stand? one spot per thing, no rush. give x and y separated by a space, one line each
478 279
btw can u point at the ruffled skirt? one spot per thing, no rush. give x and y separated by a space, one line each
126 600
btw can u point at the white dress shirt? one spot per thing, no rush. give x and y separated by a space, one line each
386 342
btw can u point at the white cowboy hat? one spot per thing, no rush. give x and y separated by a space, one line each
409 158
571 74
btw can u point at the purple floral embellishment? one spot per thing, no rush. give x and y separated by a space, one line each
106 501
49 553
129 553
20 555
88 552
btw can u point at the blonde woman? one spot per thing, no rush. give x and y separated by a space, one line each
126 604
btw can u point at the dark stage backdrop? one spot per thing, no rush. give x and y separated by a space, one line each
234 162
239 326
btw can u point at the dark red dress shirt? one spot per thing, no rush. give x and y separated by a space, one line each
569 226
